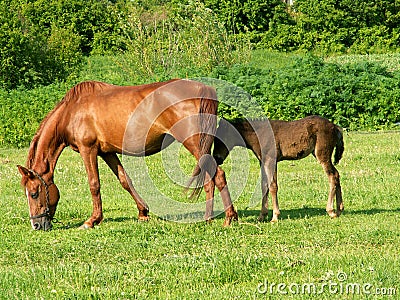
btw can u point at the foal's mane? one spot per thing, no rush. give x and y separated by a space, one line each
73 94
247 123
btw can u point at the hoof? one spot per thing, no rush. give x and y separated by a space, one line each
274 220
228 220
143 218
332 214
85 226
261 218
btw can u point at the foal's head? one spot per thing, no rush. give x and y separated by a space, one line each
226 138
42 198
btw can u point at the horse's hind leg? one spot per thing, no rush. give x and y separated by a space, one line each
218 179
115 165
335 190
209 187
220 182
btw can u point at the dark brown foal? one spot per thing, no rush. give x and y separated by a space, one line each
293 140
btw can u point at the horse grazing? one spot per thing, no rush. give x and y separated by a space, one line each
293 140
93 118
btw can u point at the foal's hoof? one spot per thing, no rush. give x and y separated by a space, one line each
261 218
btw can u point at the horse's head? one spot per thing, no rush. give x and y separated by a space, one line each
42 198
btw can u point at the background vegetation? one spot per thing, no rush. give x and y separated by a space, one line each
48 46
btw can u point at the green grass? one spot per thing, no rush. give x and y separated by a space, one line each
391 61
126 259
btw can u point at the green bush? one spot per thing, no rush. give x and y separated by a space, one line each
186 41
31 56
96 22
245 16
21 112
356 96
336 27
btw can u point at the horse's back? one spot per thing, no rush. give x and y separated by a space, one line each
105 114
297 139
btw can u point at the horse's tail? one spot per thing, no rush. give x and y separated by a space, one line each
339 144
208 127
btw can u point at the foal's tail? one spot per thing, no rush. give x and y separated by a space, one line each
208 127
339 144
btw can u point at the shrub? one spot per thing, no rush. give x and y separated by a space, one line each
355 95
185 41
31 56
21 112
336 26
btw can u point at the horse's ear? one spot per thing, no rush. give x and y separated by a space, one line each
25 172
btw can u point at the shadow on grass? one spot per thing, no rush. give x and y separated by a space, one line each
301 213
298 213
74 224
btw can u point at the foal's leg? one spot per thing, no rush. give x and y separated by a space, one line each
264 190
115 165
89 156
273 189
334 190
274 195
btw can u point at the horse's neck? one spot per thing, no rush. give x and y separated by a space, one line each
246 131
46 149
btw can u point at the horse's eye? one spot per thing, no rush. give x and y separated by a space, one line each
35 195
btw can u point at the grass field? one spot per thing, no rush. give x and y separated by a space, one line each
306 254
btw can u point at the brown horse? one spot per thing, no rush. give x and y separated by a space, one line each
92 119
293 140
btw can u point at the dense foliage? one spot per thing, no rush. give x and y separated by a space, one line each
355 95
185 40
45 43
31 54
332 26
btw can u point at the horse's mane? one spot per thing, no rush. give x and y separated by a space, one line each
72 95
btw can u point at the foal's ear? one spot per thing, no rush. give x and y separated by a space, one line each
25 172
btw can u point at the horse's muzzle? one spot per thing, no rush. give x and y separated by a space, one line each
42 224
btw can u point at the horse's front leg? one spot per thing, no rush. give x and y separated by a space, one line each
89 157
